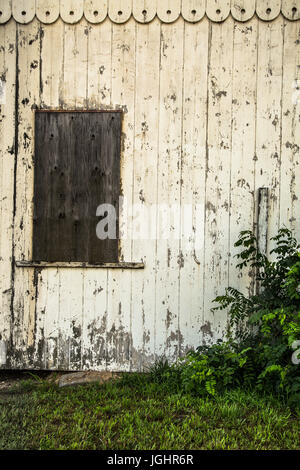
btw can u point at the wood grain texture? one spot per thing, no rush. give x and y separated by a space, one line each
48 324
145 171
243 10
218 10
95 11
268 115
262 220
268 10
242 175
71 11
144 10
119 285
77 168
290 132
119 11
23 10
193 171
47 11
168 10
28 97
95 282
167 337
193 10
291 9
8 152
219 158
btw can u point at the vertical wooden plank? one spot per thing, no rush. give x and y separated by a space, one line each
70 318
290 145
40 347
68 95
218 174
94 319
5 323
268 119
8 151
80 93
262 219
104 180
52 56
262 232
99 65
119 281
193 182
48 302
144 195
44 226
81 57
73 96
242 196
118 334
29 97
68 278
95 281
41 279
169 174
75 290
123 86
47 306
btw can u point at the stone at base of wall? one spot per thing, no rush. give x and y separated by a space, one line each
79 378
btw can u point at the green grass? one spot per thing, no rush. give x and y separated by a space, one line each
137 413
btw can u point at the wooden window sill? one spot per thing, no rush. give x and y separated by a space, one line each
76 264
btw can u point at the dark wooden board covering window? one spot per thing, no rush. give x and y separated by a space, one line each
76 168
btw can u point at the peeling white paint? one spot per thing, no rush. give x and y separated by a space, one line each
2 92
3 350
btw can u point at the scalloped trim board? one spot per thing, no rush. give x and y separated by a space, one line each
144 11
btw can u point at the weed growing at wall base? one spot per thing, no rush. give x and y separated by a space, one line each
261 349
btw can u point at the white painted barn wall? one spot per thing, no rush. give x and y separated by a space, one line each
209 119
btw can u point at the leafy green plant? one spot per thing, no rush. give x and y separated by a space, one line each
278 280
257 350
271 317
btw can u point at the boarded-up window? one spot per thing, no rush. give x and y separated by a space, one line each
77 168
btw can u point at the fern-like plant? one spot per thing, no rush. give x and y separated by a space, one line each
271 317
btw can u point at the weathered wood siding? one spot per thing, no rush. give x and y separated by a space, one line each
211 114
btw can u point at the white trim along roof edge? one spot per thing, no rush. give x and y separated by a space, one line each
144 11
